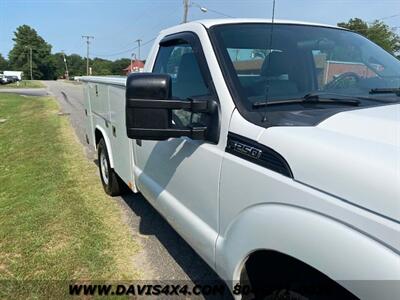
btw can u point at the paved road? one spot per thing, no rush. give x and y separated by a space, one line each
164 255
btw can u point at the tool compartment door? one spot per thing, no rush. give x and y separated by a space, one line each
121 144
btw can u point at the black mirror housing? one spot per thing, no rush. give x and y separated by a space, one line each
147 86
149 109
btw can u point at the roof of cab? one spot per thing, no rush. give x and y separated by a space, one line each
207 23
211 22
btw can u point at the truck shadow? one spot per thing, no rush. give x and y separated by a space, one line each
169 154
148 222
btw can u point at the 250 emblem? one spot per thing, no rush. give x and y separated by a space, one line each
244 149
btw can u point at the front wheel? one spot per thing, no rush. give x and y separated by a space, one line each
112 184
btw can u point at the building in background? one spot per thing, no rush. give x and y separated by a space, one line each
17 74
135 66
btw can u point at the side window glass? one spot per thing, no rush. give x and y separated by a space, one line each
180 62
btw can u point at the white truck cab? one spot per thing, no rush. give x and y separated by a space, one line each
272 149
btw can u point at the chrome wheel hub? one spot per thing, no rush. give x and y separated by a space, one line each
104 167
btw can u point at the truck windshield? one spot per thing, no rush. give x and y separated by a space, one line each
297 60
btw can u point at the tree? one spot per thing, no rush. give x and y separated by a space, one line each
120 64
377 31
3 63
101 66
76 65
43 64
59 65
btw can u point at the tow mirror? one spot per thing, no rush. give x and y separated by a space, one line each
149 109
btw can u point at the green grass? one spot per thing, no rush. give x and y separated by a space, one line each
56 222
23 84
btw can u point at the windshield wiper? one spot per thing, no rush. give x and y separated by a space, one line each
385 91
312 98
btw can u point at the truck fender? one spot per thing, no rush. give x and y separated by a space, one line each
108 144
336 249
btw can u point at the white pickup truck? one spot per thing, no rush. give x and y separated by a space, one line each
272 149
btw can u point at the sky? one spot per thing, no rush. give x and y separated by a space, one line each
117 24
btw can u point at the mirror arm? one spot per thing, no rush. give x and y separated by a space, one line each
190 104
195 133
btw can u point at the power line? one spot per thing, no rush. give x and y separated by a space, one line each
127 50
114 53
206 9
220 13
383 18
169 13
146 12
389 17
187 4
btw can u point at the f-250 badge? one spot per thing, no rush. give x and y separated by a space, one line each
244 149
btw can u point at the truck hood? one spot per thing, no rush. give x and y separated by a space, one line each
353 155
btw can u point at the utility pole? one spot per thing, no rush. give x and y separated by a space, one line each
30 50
66 66
138 41
30 60
186 5
87 37
133 55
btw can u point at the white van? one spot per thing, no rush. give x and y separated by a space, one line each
17 74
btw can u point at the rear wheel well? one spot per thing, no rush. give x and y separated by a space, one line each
97 136
115 185
270 272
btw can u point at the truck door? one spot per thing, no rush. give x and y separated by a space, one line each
180 176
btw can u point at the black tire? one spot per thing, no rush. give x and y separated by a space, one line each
279 280
112 184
